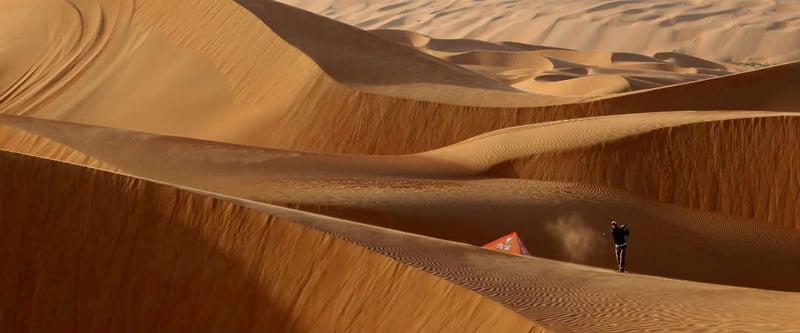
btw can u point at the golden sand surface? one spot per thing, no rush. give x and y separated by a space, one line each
248 166
751 32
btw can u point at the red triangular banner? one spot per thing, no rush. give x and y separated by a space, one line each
509 243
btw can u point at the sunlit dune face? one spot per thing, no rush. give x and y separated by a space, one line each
89 61
24 38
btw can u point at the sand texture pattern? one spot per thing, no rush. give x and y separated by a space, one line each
246 165
760 31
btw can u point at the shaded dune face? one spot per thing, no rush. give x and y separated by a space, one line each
735 167
199 253
153 257
430 192
261 90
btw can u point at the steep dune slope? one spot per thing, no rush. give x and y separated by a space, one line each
376 65
13 139
180 157
566 222
145 70
566 297
739 167
424 194
225 263
199 106
152 257
173 68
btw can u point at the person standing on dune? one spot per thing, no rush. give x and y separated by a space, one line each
620 244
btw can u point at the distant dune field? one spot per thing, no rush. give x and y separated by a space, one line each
247 165
748 32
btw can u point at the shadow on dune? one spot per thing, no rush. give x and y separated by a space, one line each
737 167
96 253
368 58
738 253
86 250
772 89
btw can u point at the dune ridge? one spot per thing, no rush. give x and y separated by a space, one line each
734 167
513 290
414 190
229 88
13 139
222 159
197 256
539 151
564 72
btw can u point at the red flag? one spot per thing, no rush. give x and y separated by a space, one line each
509 243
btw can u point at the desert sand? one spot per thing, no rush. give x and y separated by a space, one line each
250 166
750 32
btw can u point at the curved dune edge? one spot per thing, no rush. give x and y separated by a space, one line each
482 152
564 222
410 193
379 124
736 167
469 157
209 91
564 72
212 82
16 140
201 163
588 85
568 297
376 65
563 297
153 257
226 168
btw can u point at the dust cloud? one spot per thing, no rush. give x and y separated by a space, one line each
578 241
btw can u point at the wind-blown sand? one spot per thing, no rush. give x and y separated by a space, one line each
248 166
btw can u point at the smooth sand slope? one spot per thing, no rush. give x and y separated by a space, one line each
152 257
552 72
384 129
171 68
252 260
418 193
748 175
742 168
756 32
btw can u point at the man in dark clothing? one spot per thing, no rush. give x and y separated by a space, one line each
620 244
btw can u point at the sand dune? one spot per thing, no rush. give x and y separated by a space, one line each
210 80
487 150
733 167
248 166
261 89
758 31
470 157
413 191
195 257
239 278
645 167
563 72
13 139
